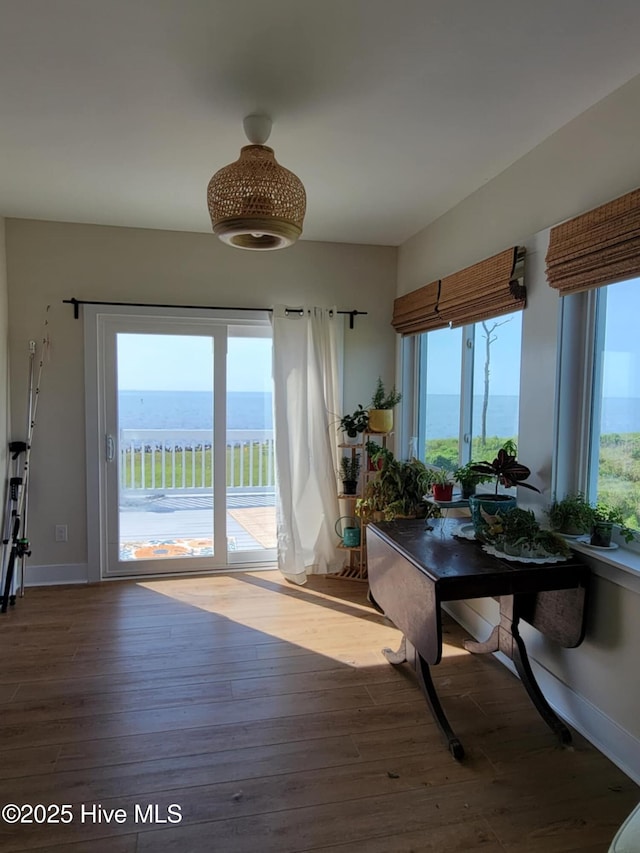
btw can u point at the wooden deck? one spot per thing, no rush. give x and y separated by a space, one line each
267 713
249 528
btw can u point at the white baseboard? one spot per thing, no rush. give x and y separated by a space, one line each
620 747
63 573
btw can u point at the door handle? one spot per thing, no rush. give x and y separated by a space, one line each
110 448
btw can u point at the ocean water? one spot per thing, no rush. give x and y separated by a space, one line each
252 410
443 415
192 410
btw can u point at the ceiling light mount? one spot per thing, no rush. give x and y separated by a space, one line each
255 203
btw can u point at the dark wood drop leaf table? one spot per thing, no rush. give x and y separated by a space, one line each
413 570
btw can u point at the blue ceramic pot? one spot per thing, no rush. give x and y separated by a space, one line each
485 507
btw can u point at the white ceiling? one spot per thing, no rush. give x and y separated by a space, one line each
119 111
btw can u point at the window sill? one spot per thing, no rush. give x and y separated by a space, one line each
621 567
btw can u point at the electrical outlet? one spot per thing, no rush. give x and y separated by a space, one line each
62 533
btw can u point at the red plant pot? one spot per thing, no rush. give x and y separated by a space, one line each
443 493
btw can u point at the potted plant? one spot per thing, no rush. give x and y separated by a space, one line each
507 472
441 485
469 479
381 408
376 454
517 533
398 490
604 517
349 473
572 515
355 424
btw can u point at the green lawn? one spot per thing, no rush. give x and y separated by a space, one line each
618 484
197 468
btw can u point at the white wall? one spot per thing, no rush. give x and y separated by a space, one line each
49 262
4 379
591 160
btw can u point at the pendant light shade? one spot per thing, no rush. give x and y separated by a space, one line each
255 203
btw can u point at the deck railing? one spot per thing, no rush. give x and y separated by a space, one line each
160 460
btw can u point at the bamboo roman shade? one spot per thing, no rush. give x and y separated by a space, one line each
487 289
596 248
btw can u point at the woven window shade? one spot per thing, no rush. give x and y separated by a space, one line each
596 248
417 311
486 289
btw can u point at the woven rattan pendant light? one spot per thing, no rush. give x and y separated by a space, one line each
255 203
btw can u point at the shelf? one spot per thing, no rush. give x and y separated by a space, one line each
352 573
457 503
357 568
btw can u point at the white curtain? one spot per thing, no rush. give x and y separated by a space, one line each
307 361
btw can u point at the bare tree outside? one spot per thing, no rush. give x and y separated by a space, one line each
490 338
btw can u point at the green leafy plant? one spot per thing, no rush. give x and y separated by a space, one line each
505 469
605 514
572 514
517 525
398 490
355 423
468 478
371 506
517 532
376 453
510 447
383 400
350 467
441 477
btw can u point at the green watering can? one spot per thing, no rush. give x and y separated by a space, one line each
350 534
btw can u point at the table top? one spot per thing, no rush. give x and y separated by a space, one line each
459 568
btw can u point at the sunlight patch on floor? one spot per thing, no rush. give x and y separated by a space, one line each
264 602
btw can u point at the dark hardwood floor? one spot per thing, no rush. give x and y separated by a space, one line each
267 714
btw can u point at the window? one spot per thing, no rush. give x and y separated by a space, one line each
613 446
439 397
468 390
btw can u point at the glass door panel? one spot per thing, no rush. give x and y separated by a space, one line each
186 477
165 446
164 423
250 469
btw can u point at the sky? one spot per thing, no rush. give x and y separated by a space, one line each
185 363
621 375
446 353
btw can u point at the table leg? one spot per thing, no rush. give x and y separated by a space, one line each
521 661
397 657
500 639
506 638
491 644
428 688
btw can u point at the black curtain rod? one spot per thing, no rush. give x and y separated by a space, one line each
78 302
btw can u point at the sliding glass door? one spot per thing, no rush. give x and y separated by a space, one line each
185 479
